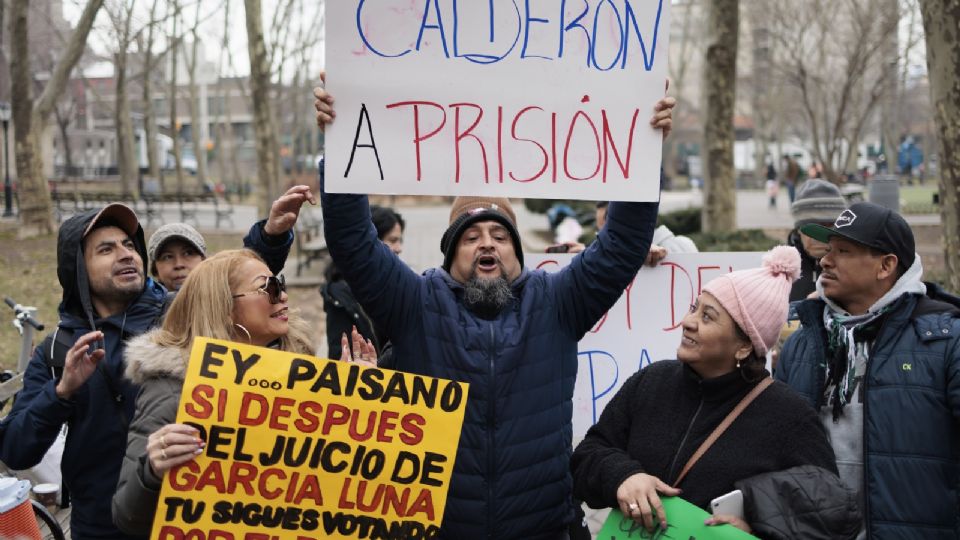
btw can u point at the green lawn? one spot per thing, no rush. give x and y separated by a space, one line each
913 196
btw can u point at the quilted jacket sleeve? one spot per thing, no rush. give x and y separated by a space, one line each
591 284
386 288
138 489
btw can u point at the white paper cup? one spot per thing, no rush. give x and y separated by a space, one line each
46 494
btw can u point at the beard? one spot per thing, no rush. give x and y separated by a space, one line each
487 297
111 291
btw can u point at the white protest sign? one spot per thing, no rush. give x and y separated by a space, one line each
642 327
533 98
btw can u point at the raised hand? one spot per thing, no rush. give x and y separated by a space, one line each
364 353
79 364
285 210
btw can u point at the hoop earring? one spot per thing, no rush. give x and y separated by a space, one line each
245 331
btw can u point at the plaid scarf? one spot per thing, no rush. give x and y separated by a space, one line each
849 341
850 337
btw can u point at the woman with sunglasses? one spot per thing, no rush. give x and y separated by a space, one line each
231 296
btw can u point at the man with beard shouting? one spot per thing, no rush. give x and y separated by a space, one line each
508 331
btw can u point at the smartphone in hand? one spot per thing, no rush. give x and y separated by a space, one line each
558 248
730 504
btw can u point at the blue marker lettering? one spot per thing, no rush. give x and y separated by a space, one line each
593 383
438 26
363 37
631 17
596 36
479 58
527 19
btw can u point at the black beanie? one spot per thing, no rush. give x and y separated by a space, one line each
466 211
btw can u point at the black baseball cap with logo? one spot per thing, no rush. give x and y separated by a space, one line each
873 226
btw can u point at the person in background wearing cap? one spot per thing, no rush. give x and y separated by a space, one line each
508 331
174 249
878 355
107 299
640 448
342 310
817 201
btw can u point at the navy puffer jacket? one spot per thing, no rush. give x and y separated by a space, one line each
911 438
511 477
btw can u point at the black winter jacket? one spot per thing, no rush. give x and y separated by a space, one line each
663 413
99 413
343 313
802 502
511 476
911 412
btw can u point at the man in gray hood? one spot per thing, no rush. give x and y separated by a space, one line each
878 353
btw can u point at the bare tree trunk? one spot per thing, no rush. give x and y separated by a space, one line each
149 115
720 85
759 96
126 152
29 118
174 127
263 126
889 113
941 18
35 204
198 123
63 123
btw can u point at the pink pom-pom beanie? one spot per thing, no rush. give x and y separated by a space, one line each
758 298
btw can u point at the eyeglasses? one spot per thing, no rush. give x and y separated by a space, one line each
273 288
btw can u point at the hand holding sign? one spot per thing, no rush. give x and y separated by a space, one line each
172 445
639 498
688 523
663 115
323 103
730 520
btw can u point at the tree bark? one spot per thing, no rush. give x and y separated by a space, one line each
63 123
720 85
263 126
197 120
149 115
889 111
126 152
941 19
174 127
29 118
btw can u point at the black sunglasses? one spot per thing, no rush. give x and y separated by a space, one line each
273 288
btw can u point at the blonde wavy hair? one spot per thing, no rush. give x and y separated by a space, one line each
204 307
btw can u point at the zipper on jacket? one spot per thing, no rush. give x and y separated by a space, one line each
863 427
491 426
686 434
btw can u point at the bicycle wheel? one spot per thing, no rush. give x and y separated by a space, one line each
49 527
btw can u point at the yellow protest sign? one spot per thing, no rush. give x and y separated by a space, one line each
300 448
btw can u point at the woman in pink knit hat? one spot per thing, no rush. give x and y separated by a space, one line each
649 441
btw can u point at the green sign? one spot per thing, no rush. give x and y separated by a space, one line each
684 522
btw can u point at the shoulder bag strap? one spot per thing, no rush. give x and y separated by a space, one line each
747 400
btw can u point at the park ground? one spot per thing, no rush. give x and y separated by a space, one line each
28 267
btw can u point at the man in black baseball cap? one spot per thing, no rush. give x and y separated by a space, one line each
873 226
878 355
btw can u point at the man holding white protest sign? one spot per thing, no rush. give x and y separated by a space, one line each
486 102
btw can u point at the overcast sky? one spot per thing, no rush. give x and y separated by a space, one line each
210 30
